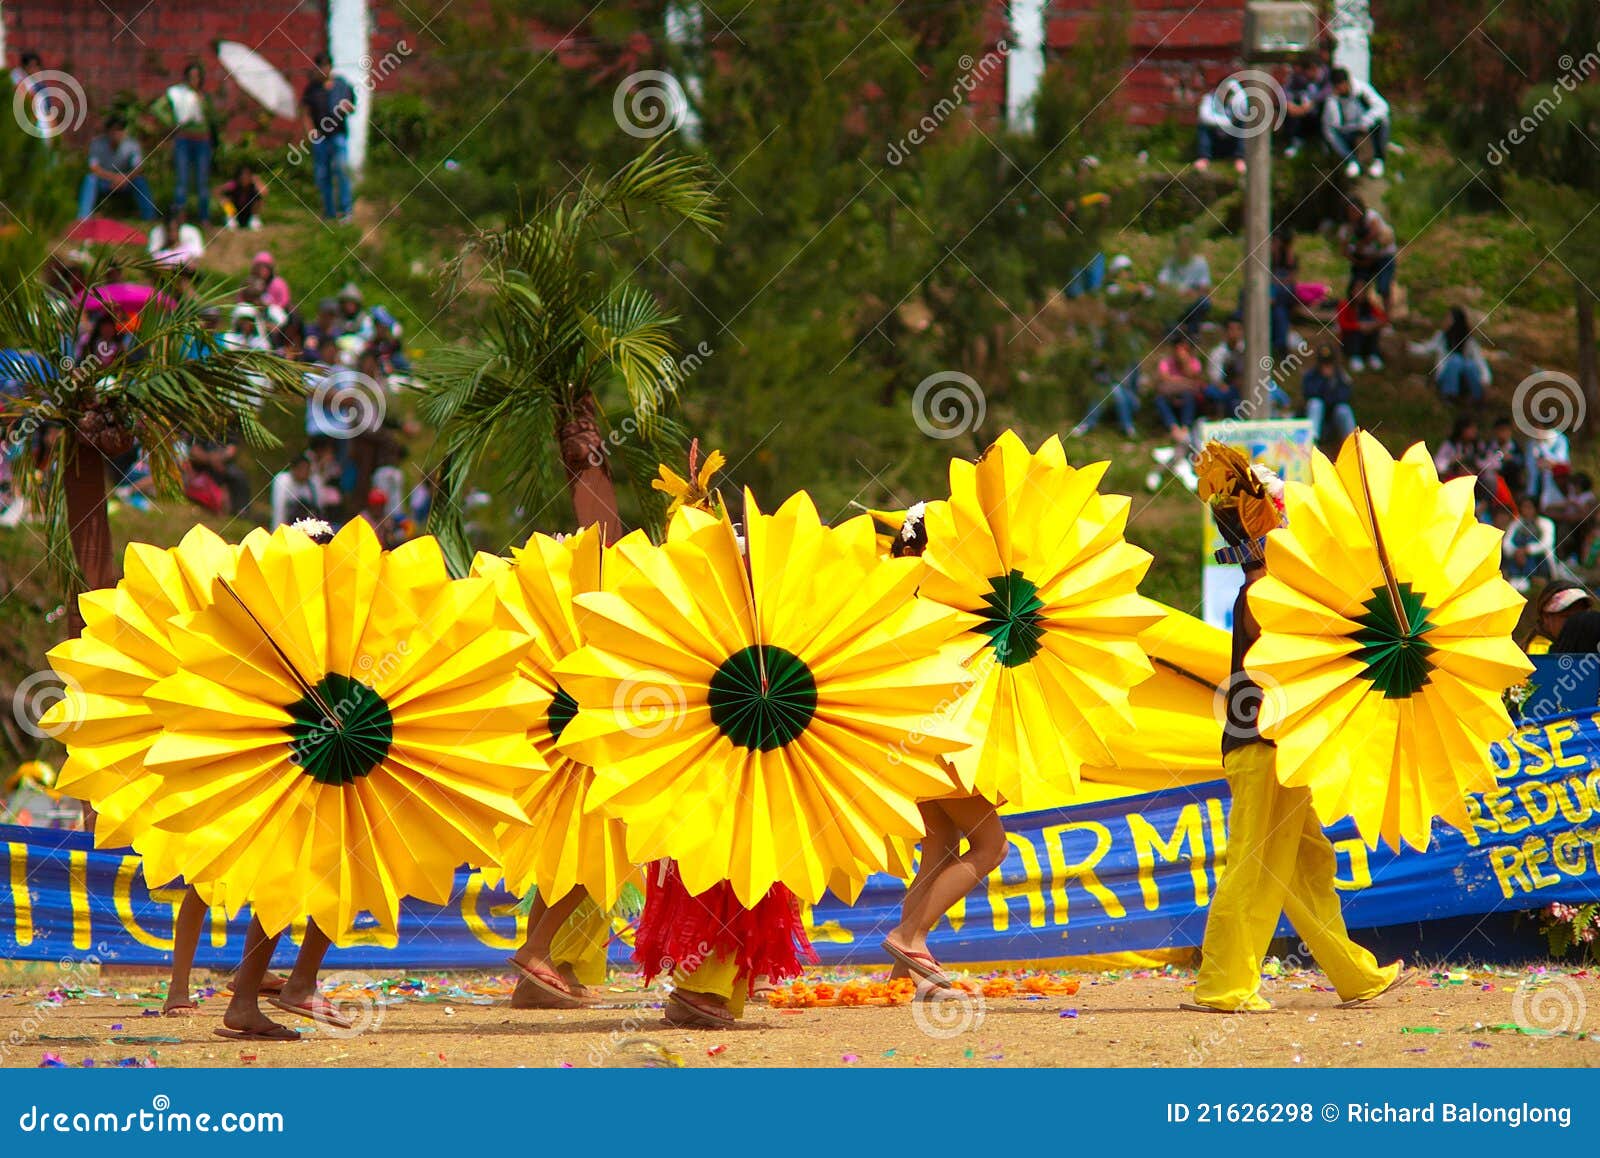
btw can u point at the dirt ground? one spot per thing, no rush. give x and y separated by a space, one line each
1446 1018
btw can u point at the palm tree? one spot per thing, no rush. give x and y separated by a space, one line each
569 329
171 382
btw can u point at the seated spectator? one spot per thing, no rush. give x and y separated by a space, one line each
1572 511
1218 133
1505 454
1304 92
1188 274
325 330
328 469
1529 546
289 339
1463 454
353 318
218 460
175 241
1371 247
1328 390
242 198
1548 456
295 494
385 342
1224 371
104 340
246 331
1352 113
1124 399
1180 382
1459 366
116 165
1361 319
275 291
1559 603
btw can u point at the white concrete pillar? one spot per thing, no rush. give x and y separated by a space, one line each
1352 34
350 45
1024 62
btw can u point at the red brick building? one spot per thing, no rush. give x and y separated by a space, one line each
131 46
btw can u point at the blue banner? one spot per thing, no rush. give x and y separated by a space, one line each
1132 873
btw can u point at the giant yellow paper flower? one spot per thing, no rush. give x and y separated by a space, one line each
1029 546
346 726
770 723
104 718
1383 655
562 846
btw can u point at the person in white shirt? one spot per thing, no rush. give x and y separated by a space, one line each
294 494
175 241
1218 135
1354 112
186 111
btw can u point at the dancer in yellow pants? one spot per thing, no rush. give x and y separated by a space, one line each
1279 861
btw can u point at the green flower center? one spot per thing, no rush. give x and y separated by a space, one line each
1395 653
762 697
342 749
562 709
1012 619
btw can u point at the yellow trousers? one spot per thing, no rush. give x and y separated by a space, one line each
1278 862
581 943
718 976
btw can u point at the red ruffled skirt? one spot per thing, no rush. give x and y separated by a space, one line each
679 931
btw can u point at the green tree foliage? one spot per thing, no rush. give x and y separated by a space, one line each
878 228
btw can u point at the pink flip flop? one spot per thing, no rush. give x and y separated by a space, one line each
318 1009
922 964
547 982
277 1033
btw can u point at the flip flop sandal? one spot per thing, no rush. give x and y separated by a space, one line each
318 1010
184 1009
922 964
1191 1007
688 1014
277 1033
549 983
1400 979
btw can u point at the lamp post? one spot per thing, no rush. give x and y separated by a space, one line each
1272 31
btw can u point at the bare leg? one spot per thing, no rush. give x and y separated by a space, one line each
544 922
244 1010
185 939
941 843
986 838
301 985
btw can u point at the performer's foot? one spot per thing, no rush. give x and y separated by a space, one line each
686 1009
1255 1003
254 1026
529 996
1400 978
